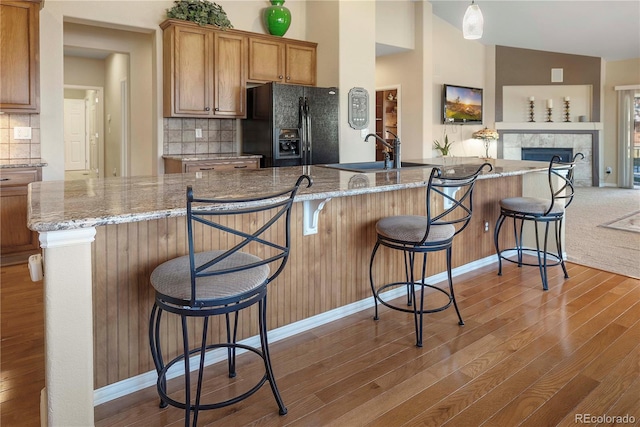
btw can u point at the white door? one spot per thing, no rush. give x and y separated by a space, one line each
74 135
92 131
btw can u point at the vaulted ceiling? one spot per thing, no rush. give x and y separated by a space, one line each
609 29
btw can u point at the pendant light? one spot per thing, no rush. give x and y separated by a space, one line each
472 22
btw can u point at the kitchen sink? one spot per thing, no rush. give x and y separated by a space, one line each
373 166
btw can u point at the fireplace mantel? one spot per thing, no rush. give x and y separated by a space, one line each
549 126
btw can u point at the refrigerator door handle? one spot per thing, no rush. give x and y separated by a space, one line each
308 134
300 112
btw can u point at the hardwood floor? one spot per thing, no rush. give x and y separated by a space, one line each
524 357
21 347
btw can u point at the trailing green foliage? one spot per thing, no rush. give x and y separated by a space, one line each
202 12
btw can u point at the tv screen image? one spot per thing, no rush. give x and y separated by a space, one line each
462 104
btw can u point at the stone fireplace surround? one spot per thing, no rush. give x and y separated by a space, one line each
582 141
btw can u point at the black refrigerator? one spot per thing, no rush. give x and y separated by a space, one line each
292 125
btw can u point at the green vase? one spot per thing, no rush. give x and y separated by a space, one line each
277 18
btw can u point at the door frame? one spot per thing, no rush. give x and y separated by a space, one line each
398 88
99 122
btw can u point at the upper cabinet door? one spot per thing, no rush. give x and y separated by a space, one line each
266 60
19 57
230 65
188 71
300 64
272 59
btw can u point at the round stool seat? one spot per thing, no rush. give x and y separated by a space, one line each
531 206
173 278
411 229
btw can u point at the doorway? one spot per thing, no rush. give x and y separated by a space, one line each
388 117
83 132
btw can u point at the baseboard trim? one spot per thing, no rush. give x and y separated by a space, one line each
139 382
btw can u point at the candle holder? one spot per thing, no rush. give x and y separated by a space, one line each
531 105
549 109
566 111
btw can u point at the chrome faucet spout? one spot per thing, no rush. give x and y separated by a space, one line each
395 147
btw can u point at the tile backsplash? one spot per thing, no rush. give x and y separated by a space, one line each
11 148
218 136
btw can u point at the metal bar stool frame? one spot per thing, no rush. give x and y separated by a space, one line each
438 186
211 266
540 211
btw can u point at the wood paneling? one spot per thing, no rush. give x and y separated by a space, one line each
325 271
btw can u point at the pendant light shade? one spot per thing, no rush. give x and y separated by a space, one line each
473 22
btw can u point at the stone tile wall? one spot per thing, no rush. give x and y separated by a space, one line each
580 143
218 136
11 148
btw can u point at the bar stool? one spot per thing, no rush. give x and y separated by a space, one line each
539 211
222 283
449 208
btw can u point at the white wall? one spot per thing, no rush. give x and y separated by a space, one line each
357 69
323 28
618 73
461 62
117 66
83 71
407 70
395 24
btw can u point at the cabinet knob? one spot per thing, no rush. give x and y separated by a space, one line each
288 77
216 109
207 109
280 76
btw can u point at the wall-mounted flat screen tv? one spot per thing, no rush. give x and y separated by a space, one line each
461 104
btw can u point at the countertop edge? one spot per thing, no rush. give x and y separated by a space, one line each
331 185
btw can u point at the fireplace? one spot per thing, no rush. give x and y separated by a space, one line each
520 144
545 154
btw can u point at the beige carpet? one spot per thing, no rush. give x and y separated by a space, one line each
588 243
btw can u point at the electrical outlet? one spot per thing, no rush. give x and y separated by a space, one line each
364 133
198 133
21 133
608 170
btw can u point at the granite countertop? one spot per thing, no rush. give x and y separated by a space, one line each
65 205
22 163
217 156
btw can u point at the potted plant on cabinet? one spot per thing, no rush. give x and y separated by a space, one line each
202 12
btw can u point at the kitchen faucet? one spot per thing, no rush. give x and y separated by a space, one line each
395 147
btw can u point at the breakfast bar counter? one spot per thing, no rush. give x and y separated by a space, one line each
101 239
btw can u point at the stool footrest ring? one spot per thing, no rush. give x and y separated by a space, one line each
411 310
163 372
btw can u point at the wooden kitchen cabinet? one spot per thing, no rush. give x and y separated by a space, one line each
19 56
273 59
185 166
204 71
17 242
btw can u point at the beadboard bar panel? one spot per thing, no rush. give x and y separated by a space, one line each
325 270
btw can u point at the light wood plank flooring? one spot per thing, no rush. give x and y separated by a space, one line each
524 357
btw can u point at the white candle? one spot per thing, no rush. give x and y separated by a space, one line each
566 98
531 98
549 103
